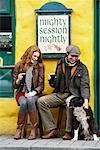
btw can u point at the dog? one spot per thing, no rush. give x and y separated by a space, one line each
84 125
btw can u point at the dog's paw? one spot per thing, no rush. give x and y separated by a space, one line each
74 139
95 137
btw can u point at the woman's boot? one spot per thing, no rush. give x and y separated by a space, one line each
33 126
20 123
33 133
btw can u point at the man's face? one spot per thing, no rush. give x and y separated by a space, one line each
72 58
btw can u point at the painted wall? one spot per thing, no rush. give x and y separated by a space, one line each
82 28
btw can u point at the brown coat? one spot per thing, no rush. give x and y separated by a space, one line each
38 77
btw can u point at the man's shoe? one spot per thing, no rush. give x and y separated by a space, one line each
67 136
51 134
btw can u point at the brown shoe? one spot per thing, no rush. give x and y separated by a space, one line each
51 134
18 135
67 136
33 133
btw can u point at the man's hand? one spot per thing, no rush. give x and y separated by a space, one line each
86 103
33 93
49 77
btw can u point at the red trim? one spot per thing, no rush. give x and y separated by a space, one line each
18 95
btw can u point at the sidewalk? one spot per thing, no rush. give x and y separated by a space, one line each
8 143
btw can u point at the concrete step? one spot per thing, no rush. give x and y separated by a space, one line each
8 143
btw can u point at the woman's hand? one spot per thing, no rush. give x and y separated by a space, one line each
33 93
20 77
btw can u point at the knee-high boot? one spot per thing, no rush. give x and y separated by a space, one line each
33 125
20 124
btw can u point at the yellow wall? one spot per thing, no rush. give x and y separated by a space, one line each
82 27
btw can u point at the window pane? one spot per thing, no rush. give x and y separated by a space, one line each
5 24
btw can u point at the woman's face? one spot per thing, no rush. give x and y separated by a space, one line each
35 56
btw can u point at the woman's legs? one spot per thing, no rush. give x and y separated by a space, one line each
31 104
21 116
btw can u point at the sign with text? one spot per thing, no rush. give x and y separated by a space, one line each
53 33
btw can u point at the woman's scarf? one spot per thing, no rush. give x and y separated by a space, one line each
29 77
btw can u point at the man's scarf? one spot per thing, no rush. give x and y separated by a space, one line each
68 69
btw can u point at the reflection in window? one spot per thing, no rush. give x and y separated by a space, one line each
3 4
5 24
5 33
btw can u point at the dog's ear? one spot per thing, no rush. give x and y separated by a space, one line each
81 101
71 104
77 102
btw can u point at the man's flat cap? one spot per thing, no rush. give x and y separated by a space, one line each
73 50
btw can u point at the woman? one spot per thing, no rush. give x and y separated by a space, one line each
28 79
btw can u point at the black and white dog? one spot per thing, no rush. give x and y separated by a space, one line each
84 124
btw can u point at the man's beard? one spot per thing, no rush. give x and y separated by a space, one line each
70 63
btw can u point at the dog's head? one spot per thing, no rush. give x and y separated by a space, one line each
75 102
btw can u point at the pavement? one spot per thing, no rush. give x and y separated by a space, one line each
8 143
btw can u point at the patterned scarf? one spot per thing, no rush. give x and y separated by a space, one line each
29 76
28 79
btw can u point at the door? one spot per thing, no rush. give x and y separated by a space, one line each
7 47
97 60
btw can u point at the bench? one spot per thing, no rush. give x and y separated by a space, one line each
59 120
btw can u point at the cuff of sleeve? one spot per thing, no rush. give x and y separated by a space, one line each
36 91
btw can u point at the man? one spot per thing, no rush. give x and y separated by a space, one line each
72 79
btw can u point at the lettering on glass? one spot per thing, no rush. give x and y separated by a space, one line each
53 33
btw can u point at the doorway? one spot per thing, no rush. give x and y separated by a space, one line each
7 46
97 60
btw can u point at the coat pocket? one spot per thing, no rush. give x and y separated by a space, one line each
77 79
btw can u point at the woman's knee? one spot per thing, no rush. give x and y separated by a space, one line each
22 102
31 102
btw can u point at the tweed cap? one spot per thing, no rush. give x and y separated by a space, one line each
72 49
